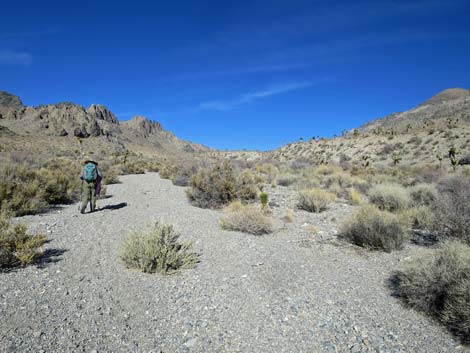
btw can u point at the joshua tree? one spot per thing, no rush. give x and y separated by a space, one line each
365 161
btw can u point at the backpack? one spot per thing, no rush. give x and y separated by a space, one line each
90 174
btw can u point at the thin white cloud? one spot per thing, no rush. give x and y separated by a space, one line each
11 57
225 105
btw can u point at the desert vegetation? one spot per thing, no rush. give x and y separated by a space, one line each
439 286
247 219
158 250
17 247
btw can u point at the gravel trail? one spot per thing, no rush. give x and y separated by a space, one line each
286 292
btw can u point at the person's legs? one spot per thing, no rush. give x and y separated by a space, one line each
85 196
93 196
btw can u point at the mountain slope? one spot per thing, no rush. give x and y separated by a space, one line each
421 135
62 123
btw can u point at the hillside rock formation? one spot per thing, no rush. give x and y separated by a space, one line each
142 126
97 121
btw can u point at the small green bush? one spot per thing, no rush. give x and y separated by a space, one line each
389 197
247 219
17 248
375 229
439 286
213 188
423 194
314 200
158 251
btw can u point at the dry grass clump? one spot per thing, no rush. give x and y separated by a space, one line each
17 248
375 229
439 286
158 251
247 219
452 209
287 180
423 194
389 197
213 188
315 200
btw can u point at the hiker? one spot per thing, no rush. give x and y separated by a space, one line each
91 184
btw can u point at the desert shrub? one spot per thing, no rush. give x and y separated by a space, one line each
439 286
375 229
183 175
168 171
389 197
158 251
314 200
354 196
17 247
25 190
111 176
59 181
246 219
20 190
218 186
419 217
452 209
133 168
286 180
423 194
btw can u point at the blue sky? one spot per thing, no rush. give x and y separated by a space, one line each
237 74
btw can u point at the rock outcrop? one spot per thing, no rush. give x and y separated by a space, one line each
143 127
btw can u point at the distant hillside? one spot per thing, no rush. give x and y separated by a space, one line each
421 135
99 129
452 104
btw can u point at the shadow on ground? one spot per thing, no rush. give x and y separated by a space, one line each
114 207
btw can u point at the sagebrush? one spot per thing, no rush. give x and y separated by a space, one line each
158 251
439 285
247 219
375 229
17 247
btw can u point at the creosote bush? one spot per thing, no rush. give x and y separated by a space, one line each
375 229
213 188
247 219
389 197
158 251
17 247
315 200
439 286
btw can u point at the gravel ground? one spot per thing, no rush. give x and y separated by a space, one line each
292 291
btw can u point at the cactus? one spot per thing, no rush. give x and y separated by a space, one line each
126 154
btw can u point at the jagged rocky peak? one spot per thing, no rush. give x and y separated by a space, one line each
144 126
100 112
8 100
